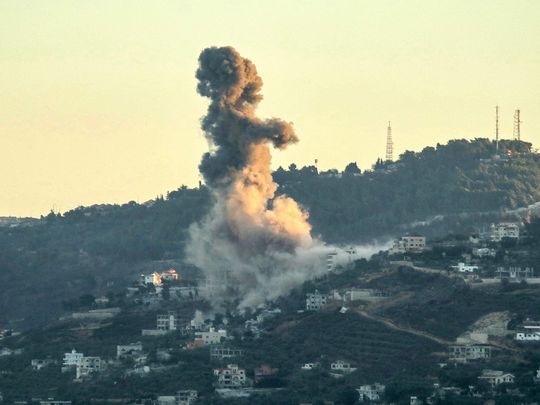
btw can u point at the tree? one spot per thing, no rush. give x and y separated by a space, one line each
352 169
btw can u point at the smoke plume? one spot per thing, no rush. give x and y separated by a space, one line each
253 246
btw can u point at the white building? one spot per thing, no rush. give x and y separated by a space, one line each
72 359
230 377
504 230
212 336
463 353
515 273
341 257
169 275
132 348
372 392
309 366
88 365
465 268
496 377
529 331
168 322
315 301
153 278
484 252
408 244
342 367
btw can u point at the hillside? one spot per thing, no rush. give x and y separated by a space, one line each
89 249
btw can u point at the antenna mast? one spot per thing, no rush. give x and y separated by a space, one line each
389 144
517 125
496 129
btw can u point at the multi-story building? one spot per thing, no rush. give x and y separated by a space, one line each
222 353
186 397
503 230
342 367
315 301
153 278
38 364
71 359
463 353
515 273
88 365
372 392
212 336
230 377
168 322
408 244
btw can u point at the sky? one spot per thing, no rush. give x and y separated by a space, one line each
98 101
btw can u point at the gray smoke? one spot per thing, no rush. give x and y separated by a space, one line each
253 246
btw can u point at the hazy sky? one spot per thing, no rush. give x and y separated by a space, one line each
98 100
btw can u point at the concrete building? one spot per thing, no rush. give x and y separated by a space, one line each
186 397
87 366
341 367
212 336
496 377
315 301
72 359
230 377
264 371
222 353
498 232
130 349
38 364
514 274
464 353
465 268
408 244
153 278
372 392
169 275
168 322
529 331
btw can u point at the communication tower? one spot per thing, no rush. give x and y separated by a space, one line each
389 144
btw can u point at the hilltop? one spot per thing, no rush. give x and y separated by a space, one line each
440 190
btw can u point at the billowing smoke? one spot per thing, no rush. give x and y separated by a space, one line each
254 246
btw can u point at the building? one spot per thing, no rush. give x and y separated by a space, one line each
498 232
130 349
153 278
309 366
366 294
463 353
529 331
342 367
71 359
166 400
186 397
87 366
465 268
264 371
168 322
212 336
54 402
222 353
408 244
496 377
38 364
515 274
230 377
372 392
169 275
341 257
484 252
315 301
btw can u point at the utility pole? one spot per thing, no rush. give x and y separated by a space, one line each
389 144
